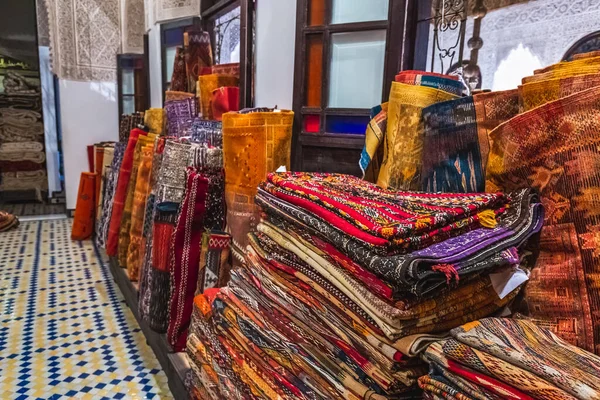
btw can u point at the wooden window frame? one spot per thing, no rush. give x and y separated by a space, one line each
144 96
214 9
400 29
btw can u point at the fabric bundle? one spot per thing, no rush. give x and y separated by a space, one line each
138 211
126 219
83 221
340 273
127 123
402 136
535 94
554 149
110 177
207 85
180 115
8 221
505 358
254 144
120 196
22 156
155 119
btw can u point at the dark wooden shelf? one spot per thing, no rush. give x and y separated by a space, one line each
175 365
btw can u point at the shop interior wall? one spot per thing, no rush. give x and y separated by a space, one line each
275 44
89 110
88 114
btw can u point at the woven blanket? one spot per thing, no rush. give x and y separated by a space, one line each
554 149
21 147
110 186
383 217
419 272
536 350
24 180
253 145
198 56
127 122
180 116
83 219
21 166
33 156
455 140
85 37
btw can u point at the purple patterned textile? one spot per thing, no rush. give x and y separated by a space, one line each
180 116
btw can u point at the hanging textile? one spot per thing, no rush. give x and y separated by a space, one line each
83 221
187 239
85 38
254 144
553 148
198 56
168 193
179 77
455 140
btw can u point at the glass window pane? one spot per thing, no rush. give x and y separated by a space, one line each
312 123
227 36
347 124
128 105
356 77
316 12
345 11
314 70
128 81
170 61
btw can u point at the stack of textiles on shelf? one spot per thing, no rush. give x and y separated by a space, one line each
22 156
541 135
499 358
344 283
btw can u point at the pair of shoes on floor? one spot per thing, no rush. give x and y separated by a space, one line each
8 221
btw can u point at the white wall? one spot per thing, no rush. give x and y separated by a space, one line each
275 46
88 114
156 100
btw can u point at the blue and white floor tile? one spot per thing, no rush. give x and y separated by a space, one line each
65 331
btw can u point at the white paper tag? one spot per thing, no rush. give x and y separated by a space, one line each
281 169
506 281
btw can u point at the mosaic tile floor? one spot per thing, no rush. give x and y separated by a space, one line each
65 331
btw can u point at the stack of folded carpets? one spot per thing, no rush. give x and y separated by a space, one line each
498 358
344 281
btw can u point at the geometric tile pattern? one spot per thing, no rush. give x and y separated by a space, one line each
65 330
